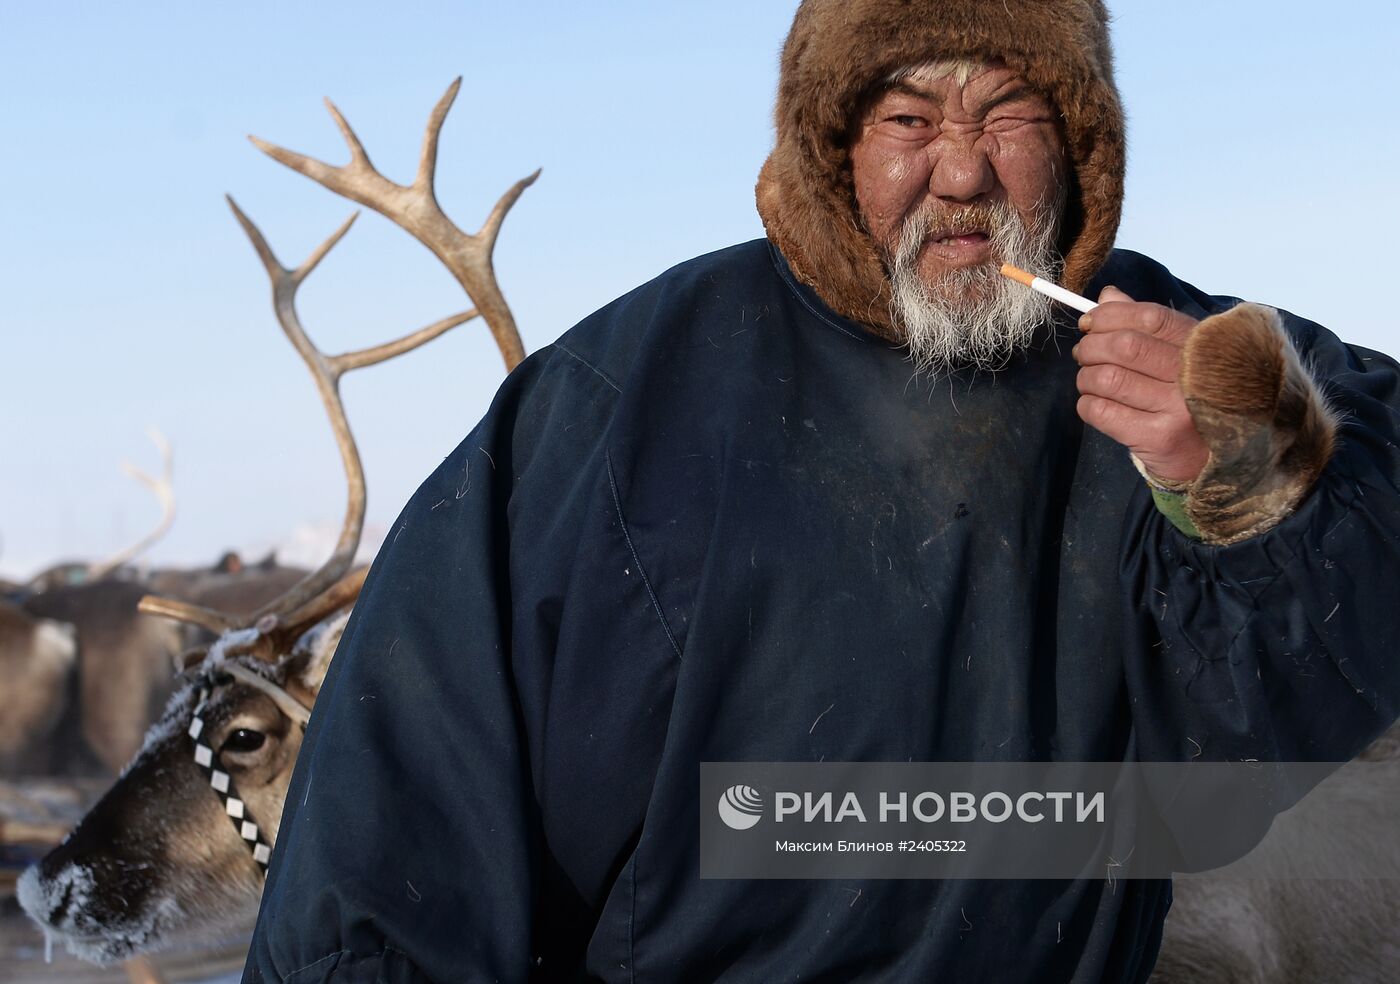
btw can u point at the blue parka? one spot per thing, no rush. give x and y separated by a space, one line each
718 522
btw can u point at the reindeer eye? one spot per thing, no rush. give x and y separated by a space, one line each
244 740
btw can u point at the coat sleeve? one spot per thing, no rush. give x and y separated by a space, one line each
1284 646
411 845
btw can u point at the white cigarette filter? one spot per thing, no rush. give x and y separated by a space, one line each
1067 297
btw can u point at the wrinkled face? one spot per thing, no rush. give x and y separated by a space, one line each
953 149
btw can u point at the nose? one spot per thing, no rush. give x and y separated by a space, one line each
962 171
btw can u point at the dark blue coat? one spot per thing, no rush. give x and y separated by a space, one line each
717 522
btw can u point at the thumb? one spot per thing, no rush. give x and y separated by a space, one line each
1109 294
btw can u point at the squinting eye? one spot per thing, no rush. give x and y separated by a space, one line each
244 740
908 120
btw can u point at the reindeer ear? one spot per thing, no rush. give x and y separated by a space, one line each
310 657
190 658
310 634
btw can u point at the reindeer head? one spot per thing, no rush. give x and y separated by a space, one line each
176 851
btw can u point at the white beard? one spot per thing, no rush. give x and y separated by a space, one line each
973 317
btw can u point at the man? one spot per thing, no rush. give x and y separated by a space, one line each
719 521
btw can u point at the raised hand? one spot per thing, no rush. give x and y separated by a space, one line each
1131 358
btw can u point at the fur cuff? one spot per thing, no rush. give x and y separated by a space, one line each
1268 427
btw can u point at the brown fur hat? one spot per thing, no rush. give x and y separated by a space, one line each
838 51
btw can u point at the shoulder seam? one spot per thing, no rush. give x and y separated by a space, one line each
581 360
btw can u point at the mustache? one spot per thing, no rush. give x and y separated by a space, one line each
1003 226
933 221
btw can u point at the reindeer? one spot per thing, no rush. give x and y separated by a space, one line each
177 850
116 684
1228 929
116 676
36 662
229 585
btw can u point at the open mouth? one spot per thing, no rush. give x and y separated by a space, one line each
961 237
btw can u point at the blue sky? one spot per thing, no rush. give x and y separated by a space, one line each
1262 161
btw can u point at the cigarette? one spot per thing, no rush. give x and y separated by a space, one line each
1055 291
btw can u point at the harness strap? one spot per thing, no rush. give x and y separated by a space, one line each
285 702
222 784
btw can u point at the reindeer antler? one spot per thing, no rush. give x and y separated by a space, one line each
271 638
163 488
183 611
415 209
326 372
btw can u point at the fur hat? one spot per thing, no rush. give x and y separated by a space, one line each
838 51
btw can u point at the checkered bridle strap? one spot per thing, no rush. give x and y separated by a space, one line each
222 783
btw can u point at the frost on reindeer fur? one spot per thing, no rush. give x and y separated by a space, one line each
83 933
230 641
176 718
74 884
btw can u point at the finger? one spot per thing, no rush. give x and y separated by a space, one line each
1130 427
1112 294
1132 389
1150 319
1131 350
1167 443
